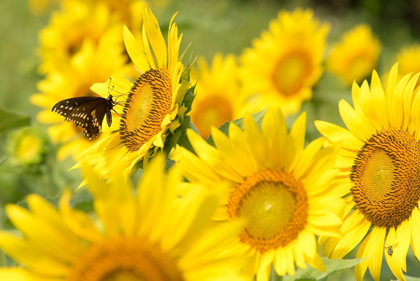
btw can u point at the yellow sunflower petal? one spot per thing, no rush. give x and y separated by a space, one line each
375 251
415 231
77 221
355 123
378 96
403 235
20 274
155 37
50 238
360 269
135 50
25 253
391 254
355 228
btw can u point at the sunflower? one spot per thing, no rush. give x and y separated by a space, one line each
219 95
409 60
152 109
148 234
380 158
355 56
69 27
284 193
85 68
285 62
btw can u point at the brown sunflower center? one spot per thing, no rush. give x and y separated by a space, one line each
213 111
124 259
275 207
147 104
386 177
291 72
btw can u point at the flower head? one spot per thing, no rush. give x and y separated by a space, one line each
284 192
218 98
144 234
356 55
151 110
380 161
285 62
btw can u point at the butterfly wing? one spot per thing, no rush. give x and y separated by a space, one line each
87 112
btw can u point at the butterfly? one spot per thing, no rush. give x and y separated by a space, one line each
87 112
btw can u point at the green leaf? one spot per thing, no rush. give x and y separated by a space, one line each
183 138
333 266
10 120
188 99
82 200
240 123
409 278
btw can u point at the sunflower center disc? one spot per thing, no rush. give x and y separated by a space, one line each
147 104
291 72
386 178
274 205
124 259
213 111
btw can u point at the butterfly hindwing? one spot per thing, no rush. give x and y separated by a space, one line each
87 112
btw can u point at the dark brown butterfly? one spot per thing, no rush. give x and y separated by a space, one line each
87 112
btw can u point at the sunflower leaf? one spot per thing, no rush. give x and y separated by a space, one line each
409 278
10 120
332 266
240 123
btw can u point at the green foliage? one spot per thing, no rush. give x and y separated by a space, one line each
11 120
312 274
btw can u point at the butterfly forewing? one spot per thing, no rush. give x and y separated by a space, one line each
87 112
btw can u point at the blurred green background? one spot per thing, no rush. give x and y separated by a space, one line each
211 26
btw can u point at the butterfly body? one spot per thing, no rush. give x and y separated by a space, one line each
87 112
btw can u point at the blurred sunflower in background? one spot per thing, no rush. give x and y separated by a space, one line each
285 63
151 109
219 97
92 63
380 157
355 56
146 233
408 59
70 26
285 193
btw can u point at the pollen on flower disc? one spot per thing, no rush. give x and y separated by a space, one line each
386 178
147 104
274 206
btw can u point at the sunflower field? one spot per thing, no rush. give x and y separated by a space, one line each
151 140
